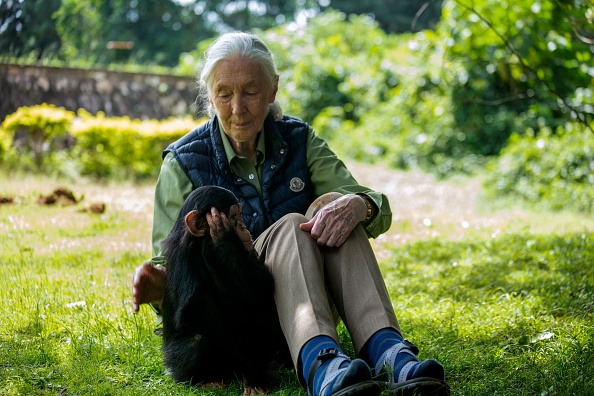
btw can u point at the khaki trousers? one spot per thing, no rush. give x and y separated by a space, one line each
312 281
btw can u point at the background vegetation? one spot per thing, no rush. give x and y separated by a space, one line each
498 89
160 30
445 100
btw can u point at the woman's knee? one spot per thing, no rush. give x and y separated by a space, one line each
284 230
320 202
292 220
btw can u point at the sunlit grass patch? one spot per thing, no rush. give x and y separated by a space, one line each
511 315
508 314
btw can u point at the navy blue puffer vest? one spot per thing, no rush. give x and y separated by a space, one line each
286 185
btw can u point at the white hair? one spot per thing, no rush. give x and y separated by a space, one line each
228 46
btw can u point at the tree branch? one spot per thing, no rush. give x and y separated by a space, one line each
498 101
418 15
579 114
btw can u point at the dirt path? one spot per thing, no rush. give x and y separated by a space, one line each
424 208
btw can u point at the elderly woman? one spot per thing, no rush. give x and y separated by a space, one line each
322 262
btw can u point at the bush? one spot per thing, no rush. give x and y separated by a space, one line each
52 140
122 147
34 135
554 168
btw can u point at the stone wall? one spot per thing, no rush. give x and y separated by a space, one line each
137 95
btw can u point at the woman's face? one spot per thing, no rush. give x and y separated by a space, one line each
240 95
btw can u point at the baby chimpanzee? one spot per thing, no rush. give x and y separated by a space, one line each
219 316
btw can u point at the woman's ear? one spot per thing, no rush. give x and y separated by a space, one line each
274 89
195 226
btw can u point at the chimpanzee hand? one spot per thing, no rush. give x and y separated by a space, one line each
333 223
219 223
148 285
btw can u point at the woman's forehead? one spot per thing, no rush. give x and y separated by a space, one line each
238 71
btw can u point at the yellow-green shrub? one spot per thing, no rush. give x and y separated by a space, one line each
36 133
123 147
5 143
52 139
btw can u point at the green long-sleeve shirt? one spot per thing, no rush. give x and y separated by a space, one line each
328 173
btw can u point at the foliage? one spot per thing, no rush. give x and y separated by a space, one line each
158 30
441 101
509 315
97 146
311 82
121 147
87 64
523 65
387 101
47 120
554 168
27 27
395 16
5 143
72 30
36 132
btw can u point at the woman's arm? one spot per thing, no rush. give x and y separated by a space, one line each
329 173
173 186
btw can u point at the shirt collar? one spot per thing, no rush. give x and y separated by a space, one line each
260 148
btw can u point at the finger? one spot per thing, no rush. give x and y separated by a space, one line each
137 279
341 241
212 217
224 222
333 238
328 237
135 291
320 224
307 226
234 211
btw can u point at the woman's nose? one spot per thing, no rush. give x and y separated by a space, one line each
238 104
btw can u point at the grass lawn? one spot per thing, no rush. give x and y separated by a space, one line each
507 306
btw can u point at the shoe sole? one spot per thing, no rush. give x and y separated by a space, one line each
367 388
417 387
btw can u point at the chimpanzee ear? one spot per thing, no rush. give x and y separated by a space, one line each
195 226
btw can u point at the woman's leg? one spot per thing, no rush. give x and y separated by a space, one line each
355 283
305 273
296 262
305 312
357 288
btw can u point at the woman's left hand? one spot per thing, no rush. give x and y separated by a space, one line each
333 224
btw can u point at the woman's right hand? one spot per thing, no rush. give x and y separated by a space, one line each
333 223
148 285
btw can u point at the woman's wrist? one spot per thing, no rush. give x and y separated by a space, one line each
370 210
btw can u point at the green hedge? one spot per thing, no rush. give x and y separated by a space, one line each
554 168
35 133
53 140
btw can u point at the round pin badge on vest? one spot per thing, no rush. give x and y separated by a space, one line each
296 184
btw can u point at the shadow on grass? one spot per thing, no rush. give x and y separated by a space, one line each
508 316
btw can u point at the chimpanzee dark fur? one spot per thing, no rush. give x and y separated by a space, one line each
219 317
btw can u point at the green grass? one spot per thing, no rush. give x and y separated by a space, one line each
511 314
